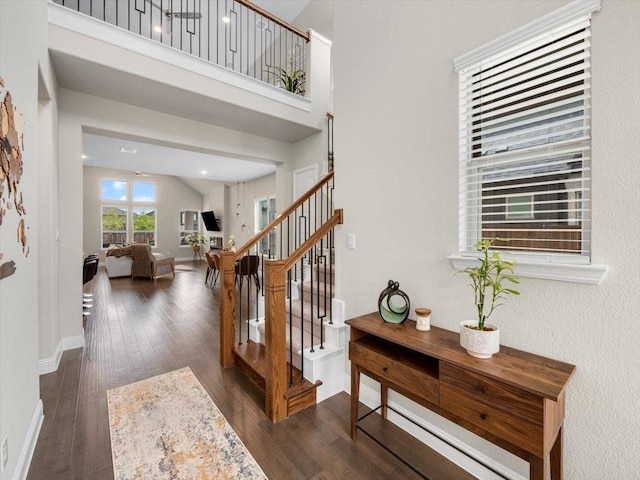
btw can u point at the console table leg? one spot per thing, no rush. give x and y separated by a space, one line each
384 396
537 467
355 398
556 457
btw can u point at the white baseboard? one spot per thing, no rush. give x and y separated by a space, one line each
29 445
49 365
69 343
452 448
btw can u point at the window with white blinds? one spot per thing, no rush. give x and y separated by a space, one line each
525 155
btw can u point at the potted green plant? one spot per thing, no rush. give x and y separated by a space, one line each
195 240
291 80
488 281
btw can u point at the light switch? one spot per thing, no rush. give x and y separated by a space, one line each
351 240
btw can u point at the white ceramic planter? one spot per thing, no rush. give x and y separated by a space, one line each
479 343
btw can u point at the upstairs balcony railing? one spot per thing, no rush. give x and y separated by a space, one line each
235 34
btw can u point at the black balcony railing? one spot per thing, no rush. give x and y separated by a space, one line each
232 33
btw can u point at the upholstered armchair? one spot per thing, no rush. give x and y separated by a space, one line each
143 260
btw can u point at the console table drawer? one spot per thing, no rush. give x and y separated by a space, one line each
498 408
410 372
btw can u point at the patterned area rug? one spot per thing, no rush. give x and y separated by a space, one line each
167 427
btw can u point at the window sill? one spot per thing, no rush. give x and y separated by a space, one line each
564 272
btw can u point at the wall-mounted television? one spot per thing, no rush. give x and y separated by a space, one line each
210 222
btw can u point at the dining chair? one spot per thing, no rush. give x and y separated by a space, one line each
211 267
216 264
247 266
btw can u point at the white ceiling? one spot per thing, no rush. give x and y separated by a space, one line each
150 159
107 152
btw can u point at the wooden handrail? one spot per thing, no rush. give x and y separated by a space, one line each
273 18
336 219
283 215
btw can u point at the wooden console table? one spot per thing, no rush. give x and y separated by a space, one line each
514 399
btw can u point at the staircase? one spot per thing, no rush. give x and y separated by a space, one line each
284 336
308 310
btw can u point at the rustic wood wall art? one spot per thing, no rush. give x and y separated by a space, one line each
11 148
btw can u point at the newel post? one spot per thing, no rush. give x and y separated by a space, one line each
275 339
227 308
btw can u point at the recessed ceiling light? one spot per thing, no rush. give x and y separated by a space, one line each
84 157
203 172
226 19
131 151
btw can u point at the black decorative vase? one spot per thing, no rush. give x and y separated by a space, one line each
393 303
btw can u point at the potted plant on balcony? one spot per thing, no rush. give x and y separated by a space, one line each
291 80
488 280
290 77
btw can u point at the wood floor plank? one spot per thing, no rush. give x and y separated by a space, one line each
140 328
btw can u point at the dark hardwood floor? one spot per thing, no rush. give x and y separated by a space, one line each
141 328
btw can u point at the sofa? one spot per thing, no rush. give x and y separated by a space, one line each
137 260
118 266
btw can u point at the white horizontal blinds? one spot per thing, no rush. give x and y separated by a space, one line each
525 144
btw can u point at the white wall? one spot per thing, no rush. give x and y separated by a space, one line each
246 194
317 16
312 150
48 260
396 178
22 44
172 195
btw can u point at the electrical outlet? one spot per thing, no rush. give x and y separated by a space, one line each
5 452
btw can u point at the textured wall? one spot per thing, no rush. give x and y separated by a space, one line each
21 45
397 180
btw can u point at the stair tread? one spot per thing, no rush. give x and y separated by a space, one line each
300 388
321 289
298 307
325 268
